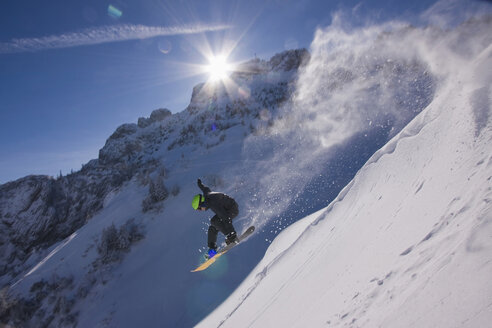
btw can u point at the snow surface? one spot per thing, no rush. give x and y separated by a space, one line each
408 243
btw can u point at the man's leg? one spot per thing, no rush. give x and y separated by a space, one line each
224 226
229 232
212 237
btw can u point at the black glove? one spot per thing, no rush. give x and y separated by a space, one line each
199 182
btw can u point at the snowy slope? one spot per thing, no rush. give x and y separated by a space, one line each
408 243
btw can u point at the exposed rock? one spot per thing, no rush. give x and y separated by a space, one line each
289 60
124 130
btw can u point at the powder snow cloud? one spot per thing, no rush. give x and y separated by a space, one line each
361 83
99 35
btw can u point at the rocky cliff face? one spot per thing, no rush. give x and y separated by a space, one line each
38 211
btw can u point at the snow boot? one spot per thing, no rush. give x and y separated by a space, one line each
232 238
211 253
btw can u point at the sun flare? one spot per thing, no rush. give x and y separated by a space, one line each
218 68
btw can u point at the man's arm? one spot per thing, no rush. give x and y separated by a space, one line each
205 189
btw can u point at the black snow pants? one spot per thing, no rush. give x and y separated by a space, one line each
224 226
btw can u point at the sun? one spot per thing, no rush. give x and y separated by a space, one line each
218 68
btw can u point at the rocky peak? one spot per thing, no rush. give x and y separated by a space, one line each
251 78
156 116
289 60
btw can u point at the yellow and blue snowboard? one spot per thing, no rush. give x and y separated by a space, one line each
224 250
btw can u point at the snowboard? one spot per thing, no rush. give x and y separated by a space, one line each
224 250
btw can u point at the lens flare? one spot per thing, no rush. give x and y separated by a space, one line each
114 12
164 46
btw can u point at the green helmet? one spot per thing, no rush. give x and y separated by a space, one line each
196 201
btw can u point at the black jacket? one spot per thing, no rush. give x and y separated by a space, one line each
224 206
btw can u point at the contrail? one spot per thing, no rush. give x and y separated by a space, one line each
105 34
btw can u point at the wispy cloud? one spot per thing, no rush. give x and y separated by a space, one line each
98 35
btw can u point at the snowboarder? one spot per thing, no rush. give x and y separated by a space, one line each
225 209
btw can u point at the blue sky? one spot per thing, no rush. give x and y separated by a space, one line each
73 71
